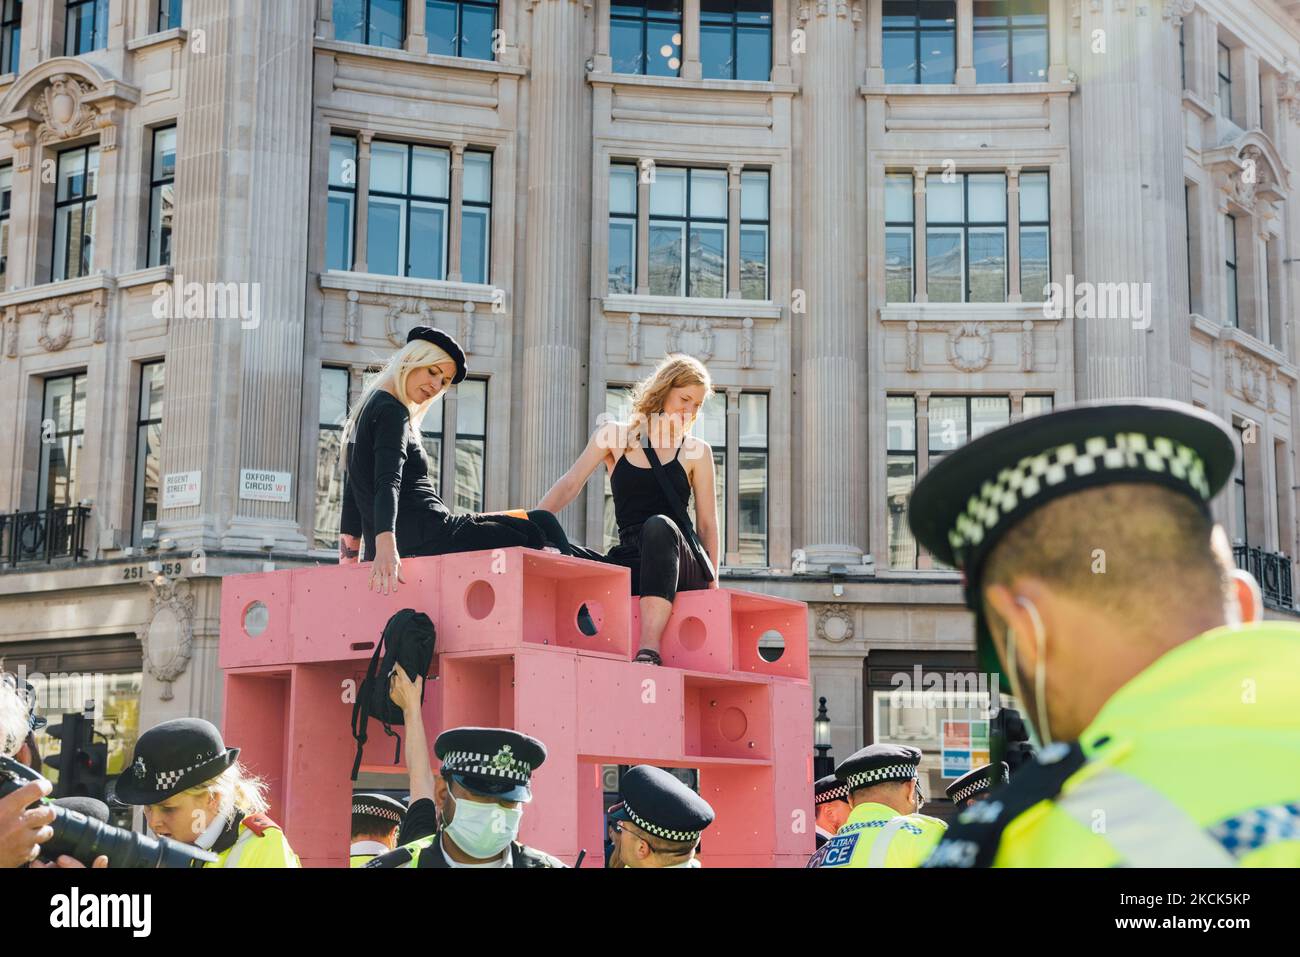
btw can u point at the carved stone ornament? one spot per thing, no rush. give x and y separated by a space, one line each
970 346
834 623
1288 94
696 336
62 112
167 639
56 319
913 346
1175 10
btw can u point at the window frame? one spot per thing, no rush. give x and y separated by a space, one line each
155 186
408 199
11 31
644 19
1225 103
1010 27
1022 223
485 206
351 193
766 451
366 18
734 26
898 224
687 220
634 219
98 30
744 221
169 14
917 30
81 201
458 38
142 424
1232 307
965 226
462 435
6 209
43 489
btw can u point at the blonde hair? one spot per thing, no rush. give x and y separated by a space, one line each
416 354
13 719
236 787
675 371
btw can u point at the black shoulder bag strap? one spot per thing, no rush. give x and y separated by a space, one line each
680 515
361 706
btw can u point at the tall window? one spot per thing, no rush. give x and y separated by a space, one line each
1187 223
341 222
169 14
1036 405
74 212
379 23
162 200
736 39
329 467
409 206
6 201
900 477
899 218
919 41
688 232
753 234
461 27
711 426
148 447
1010 39
475 216
752 469
1230 266
11 31
1239 490
1035 237
1225 81
645 36
471 444
63 426
966 237
85 26
622 228
1264 313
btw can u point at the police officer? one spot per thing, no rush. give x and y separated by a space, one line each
1106 596
975 785
658 822
831 803
473 818
885 827
375 822
195 791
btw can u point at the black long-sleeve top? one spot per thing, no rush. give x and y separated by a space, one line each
387 486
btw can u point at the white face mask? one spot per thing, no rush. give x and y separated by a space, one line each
483 830
1040 732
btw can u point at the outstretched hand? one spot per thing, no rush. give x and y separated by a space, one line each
405 692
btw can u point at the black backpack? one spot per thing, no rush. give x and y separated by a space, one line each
408 640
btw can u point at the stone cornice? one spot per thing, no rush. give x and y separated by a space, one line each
177 35
57 290
681 306
960 312
737 87
363 51
1001 90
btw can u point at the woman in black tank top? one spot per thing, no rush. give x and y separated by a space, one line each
652 542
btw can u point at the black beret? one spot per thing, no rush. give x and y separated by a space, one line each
963 506
495 762
444 342
172 757
878 763
661 805
973 783
830 788
378 805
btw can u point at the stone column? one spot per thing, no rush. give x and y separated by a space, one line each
733 230
234 382
601 61
416 40
325 19
1131 227
875 46
361 234
833 348
1013 234
965 66
556 317
457 195
780 41
1058 22
645 173
918 234
691 69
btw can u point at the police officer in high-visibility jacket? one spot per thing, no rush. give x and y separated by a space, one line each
1106 596
977 785
195 791
376 819
885 827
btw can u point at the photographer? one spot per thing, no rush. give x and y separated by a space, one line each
22 830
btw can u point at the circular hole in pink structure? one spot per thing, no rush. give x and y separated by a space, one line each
771 645
732 724
480 599
256 618
692 634
589 625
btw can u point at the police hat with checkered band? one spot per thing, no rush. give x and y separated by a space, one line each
963 506
974 783
172 757
380 806
878 764
661 805
493 762
829 788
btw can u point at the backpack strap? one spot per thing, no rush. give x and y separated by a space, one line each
361 707
974 840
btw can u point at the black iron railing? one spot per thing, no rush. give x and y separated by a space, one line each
29 538
1271 570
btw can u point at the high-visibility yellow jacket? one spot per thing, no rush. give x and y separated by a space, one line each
1195 762
875 835
259 843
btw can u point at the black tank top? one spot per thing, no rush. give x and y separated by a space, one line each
637 494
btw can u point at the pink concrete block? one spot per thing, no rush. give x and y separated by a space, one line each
249 603
546 701
698 634
792 778
629 709
337 617
728 719
497 599
754 617
741 834
257 720
477 690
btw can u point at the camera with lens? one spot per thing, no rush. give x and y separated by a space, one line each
85 838
1009 739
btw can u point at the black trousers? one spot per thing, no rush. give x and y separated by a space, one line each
472 533
661 561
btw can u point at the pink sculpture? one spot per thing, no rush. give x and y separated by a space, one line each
295 643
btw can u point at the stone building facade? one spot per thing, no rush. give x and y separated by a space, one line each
219 214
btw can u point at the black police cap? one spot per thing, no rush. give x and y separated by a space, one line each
973 783
963 506
877 764
495 762
172 757
444 342
661 805
366 804
829 788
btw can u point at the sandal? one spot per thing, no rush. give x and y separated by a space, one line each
648 656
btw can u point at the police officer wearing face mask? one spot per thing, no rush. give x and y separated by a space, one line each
1107 598
479 795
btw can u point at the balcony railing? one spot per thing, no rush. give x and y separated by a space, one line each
1271 570
30 538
